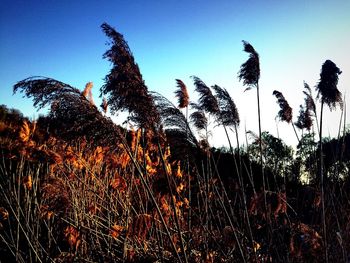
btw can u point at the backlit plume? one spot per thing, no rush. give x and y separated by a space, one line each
87 92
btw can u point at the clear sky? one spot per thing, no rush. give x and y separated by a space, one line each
176 39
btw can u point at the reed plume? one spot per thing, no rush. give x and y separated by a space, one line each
330 95
250 70
206 101
307 110
309 101
228 115
327 86
87 92
250 74
173 120
286 112
43 90
124 85
182 94
198 117
304 119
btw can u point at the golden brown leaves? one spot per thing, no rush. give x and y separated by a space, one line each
140 226
28 182
116 230
3 216
72 236
257 204
98 155
118 183
24 133
45 212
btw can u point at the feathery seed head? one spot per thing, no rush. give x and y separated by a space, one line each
286 112
250 70
327 86
182 94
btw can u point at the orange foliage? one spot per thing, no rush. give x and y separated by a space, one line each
24 134
3 214
305 242
73 237
28 182
45 212
98 155
178 172
165 208
257 204
140 226
93 209
116 230
118 183
180 188
87 92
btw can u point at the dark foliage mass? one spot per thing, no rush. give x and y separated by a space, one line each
71 114
72 117
286 112
250 70
44 91
173 120
327 86
124 86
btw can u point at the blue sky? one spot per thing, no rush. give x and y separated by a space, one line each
177 39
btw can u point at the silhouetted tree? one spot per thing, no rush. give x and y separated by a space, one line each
277 154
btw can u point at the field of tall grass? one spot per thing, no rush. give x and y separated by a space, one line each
76 187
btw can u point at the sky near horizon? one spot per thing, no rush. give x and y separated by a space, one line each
177 39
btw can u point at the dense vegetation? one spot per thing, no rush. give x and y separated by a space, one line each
76 187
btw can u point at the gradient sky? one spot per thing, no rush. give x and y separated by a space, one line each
178 39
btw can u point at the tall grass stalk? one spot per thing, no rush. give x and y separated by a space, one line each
152 198
173 203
